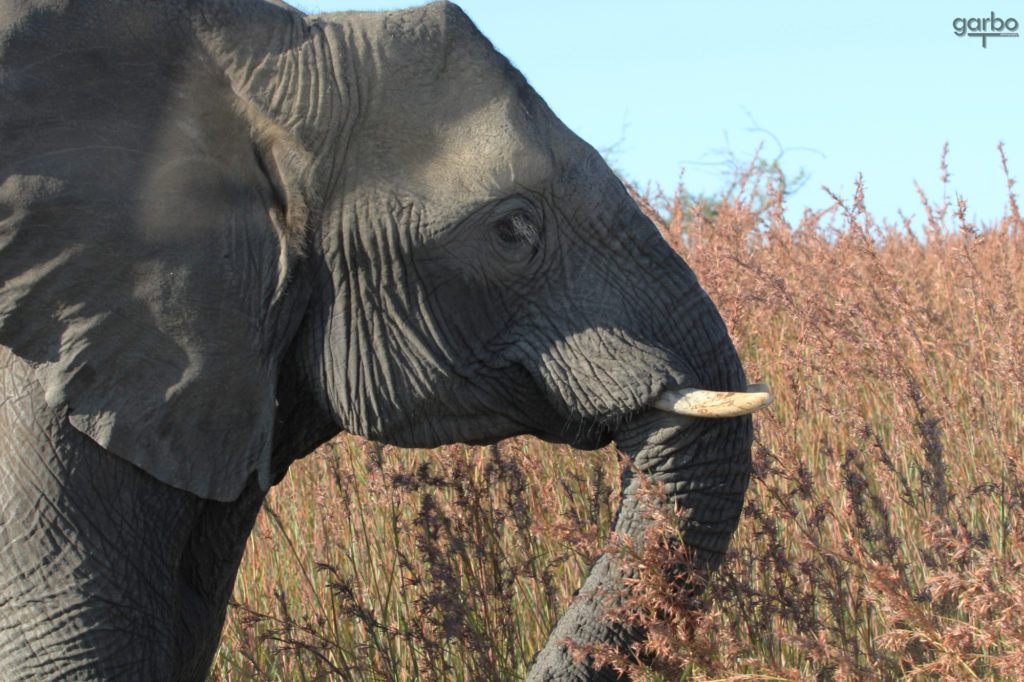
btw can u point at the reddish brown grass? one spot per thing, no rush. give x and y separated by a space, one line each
883 536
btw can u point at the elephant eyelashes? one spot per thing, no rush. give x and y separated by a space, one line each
518 233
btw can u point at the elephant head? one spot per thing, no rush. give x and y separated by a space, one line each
229 230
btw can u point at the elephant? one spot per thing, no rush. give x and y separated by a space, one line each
230 231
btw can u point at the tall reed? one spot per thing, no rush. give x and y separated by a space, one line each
883 536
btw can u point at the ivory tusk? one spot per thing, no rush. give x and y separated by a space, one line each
695 402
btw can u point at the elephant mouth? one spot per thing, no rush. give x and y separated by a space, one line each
697 403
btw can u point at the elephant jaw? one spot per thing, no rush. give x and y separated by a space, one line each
695 402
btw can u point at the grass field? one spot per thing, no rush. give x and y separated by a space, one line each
883 536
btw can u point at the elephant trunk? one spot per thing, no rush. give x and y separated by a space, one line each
704 466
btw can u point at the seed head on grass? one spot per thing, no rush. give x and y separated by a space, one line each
883 532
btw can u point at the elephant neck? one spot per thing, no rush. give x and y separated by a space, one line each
304 420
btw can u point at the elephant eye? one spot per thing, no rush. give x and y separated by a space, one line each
518 230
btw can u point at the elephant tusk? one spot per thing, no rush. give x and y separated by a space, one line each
695 402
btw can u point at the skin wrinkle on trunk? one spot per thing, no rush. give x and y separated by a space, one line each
672 450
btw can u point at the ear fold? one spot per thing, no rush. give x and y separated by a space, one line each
145 254
284 164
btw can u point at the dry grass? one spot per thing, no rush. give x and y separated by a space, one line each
883 536
375 563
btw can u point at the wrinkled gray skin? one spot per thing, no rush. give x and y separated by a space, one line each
228 231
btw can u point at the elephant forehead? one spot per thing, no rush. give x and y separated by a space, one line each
483 157
483 154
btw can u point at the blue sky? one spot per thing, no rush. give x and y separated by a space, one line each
832 89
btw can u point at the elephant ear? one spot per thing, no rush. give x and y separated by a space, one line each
147 229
